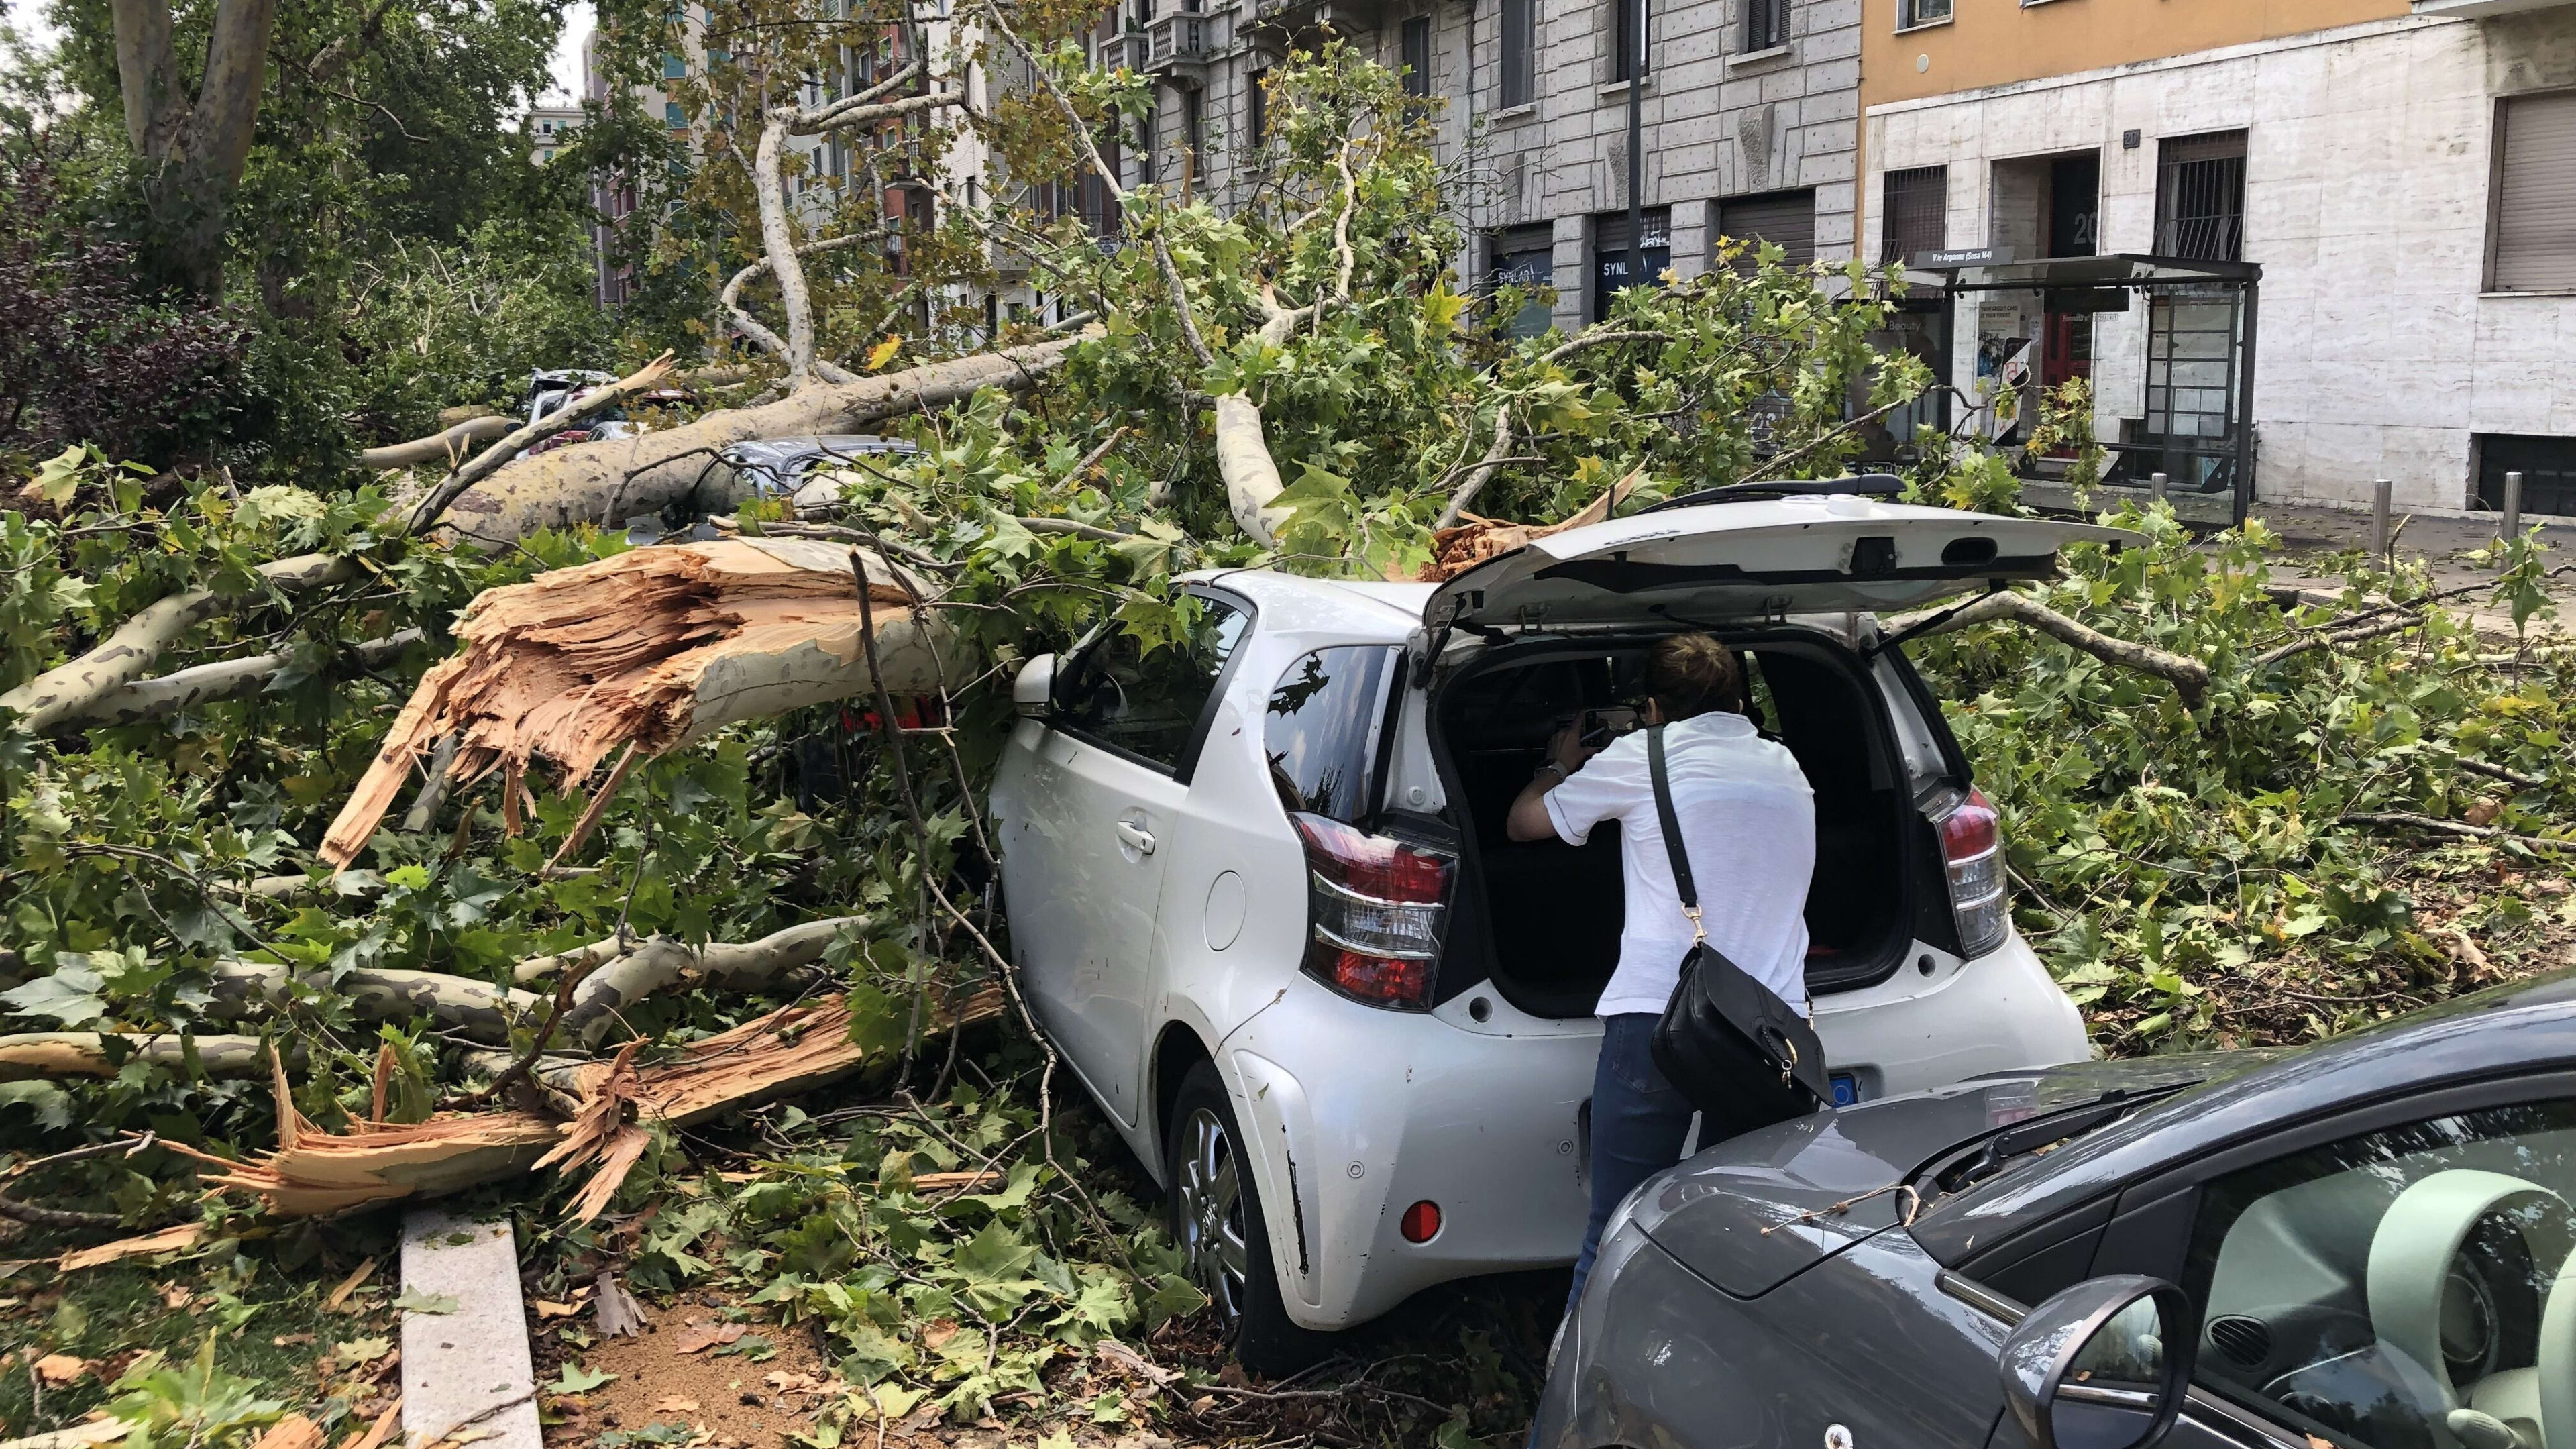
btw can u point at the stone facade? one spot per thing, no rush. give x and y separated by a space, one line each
1721 122
2380 350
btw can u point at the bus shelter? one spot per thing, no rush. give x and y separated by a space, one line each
2167 342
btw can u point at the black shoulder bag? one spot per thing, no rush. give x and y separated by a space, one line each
1726 1041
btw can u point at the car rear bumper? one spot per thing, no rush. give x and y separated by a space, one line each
1997 1013
1390 1109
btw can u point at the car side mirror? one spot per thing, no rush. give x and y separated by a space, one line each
1033 690
2104 1365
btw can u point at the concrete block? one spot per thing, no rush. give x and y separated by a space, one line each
458 1367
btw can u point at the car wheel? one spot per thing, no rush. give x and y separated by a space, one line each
1224 1238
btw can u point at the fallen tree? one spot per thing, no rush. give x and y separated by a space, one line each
655 649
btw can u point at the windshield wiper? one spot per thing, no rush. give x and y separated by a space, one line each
2023 1138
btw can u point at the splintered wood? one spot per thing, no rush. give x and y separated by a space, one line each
654 647
1456 550
793 1049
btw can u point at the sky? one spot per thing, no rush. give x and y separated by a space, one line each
27 17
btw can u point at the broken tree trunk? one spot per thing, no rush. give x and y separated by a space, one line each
612 479
656 647
793 1049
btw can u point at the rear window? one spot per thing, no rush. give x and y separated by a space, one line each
1322 726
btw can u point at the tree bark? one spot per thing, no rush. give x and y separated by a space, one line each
193 151
186 689
475 1010
72 690
660 963
84 1054
603 482
2189 677
446 446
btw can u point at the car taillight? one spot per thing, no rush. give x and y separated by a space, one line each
1972 854
1373 911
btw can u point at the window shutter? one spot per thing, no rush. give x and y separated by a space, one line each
2535 215
1786 219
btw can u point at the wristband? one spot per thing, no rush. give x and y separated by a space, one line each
1560 770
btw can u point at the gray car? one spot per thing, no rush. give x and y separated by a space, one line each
2367 1242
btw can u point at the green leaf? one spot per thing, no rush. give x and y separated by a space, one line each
576 1379
51 1105
70 996
415 1301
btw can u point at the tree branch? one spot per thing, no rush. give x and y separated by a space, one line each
2188 676
644 379
1492 460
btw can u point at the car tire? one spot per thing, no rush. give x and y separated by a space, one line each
1216 1218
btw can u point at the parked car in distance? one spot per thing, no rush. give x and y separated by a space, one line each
1262 899
810 472
550 388
2368 1243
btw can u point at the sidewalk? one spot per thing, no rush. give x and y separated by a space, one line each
2442 544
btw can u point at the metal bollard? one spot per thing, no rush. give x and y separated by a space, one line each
2512 507
2379 539
2156 487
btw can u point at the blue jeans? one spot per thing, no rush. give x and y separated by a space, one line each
1639 1122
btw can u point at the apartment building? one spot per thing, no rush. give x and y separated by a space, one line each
2403 177
1749 120
550 129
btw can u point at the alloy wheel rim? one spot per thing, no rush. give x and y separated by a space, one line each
1207 1201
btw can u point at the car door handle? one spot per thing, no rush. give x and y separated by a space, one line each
1135 837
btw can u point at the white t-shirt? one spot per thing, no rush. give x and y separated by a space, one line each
1748 818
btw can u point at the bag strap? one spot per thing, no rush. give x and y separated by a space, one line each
1672 827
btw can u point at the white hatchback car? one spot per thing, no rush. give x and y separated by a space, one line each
1262 899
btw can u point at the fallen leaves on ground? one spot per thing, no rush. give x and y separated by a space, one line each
699 1337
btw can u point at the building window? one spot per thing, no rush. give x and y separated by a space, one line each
1417 56
2547 466
1612 268
2533 231
1520 52
1785 219
1627 18
1766 24
1256 108
1910 13
673 116
1147 136
1525 256
1917 213
2200 197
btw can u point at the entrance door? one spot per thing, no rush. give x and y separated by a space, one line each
1089 804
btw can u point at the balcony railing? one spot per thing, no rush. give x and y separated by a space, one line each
1132 50
1176 41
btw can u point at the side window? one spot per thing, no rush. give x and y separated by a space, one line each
1321 728
2408 1289
1147 704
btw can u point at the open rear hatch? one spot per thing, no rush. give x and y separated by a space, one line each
1725 561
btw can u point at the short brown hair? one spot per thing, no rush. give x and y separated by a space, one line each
1691 674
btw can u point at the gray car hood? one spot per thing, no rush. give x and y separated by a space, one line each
1750 1212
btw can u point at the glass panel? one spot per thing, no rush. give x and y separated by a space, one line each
2393 1290
1321 729
1148 704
